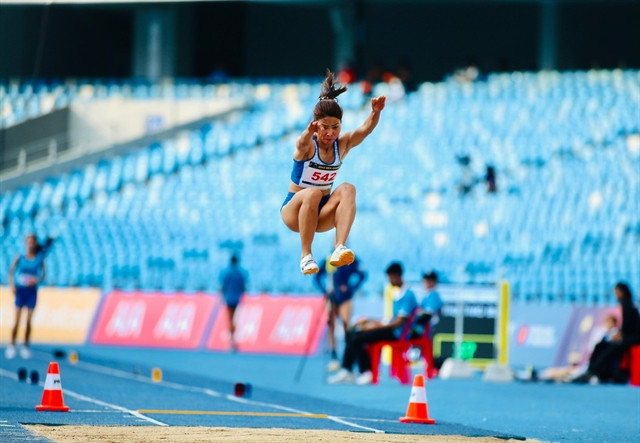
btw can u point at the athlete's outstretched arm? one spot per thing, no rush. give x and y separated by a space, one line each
356 137
304 141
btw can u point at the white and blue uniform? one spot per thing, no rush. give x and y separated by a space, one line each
28 271
315 173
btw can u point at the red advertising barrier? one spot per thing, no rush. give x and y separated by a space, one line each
272 324
153 319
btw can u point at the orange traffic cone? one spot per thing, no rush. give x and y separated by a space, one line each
418 411
52 396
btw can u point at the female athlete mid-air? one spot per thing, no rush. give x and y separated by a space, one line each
310 205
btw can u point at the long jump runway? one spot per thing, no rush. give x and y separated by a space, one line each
110 393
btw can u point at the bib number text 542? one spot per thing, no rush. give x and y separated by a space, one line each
326 177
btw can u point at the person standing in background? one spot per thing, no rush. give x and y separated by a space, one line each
490 180
29 270
339 285
233 280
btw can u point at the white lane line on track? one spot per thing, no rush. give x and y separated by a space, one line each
285 408
112 406
123 374
73 394
141 378
376 420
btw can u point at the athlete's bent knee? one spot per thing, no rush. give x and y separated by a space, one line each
347 190
311 195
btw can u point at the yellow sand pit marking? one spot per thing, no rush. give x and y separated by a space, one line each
249 414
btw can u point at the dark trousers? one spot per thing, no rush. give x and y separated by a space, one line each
356 347
606 357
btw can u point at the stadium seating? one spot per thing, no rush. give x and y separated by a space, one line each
563 227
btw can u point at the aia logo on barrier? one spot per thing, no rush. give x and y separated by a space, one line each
127 319
268 323
292 327
153 319
175 322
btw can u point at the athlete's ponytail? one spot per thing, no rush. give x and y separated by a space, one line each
327 105
41 248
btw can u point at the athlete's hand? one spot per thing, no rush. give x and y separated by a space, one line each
377 103
13 289
313 127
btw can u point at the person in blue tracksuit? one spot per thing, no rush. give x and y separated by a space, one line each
26 273
233 280
339 285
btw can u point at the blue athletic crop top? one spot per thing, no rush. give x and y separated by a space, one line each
314 173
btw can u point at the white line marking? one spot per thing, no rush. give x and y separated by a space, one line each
141 378
123 374
112 406
378 420
70 393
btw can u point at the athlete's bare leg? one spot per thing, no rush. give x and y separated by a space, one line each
300 214
332 326
231 312
344 312
339 212
16 325
27 332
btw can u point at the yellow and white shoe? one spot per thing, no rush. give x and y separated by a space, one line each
308 265
342 256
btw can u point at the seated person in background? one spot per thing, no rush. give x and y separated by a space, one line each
606 356
429 312
568 373
371 331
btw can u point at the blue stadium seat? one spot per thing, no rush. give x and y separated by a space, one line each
555 235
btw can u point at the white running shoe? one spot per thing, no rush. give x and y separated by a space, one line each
333 366
10 352
342 376
25 353
308 265
365 378
342 256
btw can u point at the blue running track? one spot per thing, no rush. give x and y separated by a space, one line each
113 387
